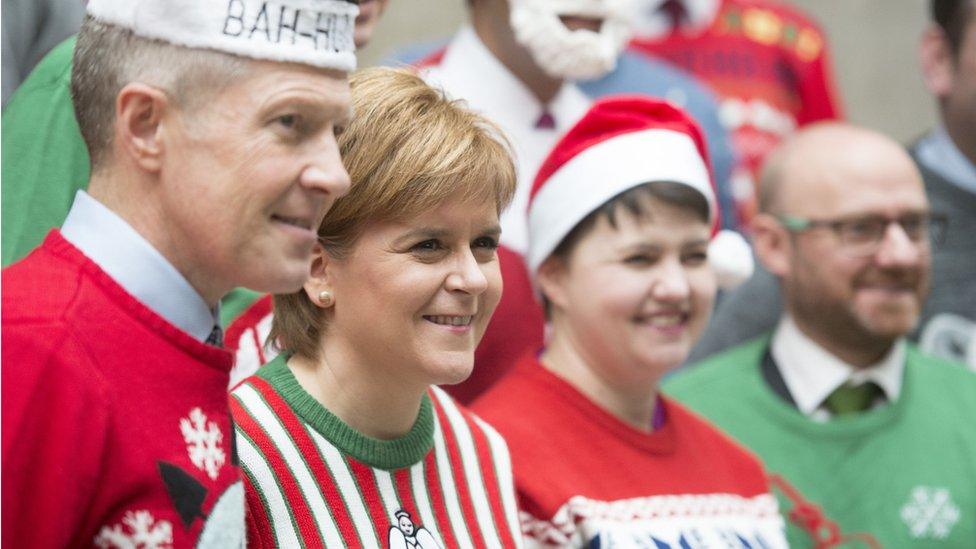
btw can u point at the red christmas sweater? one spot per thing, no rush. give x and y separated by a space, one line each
585 478
770 67
116 426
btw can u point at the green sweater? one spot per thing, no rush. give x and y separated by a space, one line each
905 473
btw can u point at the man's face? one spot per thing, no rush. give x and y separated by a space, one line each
572 39
849 295
246 179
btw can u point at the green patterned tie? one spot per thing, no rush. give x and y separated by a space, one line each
851 399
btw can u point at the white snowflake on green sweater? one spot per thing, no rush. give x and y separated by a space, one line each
139 530
203 442
930 512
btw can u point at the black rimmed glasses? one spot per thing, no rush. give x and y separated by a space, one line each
863 235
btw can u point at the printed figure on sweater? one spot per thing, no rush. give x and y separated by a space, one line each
406 535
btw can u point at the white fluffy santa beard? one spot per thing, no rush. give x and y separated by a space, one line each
566 54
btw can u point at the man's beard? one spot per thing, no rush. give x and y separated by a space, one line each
842 322
566 54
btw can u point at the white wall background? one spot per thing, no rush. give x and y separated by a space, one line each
873 42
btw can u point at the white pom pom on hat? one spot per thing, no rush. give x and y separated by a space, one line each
310 32
620 143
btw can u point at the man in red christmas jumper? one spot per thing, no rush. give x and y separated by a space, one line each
210 129
766 61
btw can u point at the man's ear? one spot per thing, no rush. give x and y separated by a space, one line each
139 112
772 243
319 287
551 278
935 56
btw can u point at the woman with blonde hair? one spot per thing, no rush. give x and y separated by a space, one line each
344 439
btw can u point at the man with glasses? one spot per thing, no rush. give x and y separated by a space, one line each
835 400
946 158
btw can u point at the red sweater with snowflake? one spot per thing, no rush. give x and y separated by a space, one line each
770 67
584 477
116 427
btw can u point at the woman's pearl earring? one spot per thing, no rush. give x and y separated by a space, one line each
326 299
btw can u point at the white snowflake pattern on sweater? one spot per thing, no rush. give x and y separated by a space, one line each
930 513
203 442
139 530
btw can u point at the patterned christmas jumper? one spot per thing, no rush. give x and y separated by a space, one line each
116 429
584 478
769 65
312 481
903 473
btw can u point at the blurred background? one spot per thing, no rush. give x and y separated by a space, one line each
873 44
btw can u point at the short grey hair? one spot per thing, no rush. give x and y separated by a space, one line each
108 57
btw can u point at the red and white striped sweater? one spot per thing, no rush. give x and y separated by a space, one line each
312 481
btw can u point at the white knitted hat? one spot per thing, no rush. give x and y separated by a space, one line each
311 32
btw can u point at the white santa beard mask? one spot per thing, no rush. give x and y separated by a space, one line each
566 54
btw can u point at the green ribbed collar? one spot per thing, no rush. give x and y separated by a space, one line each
382 454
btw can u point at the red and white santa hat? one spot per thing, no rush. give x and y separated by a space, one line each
620 143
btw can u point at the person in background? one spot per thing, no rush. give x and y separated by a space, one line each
211 166
344 438
835 400
945 157
622 217
636 72
767 62
30 29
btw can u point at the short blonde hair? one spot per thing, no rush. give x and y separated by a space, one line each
408 150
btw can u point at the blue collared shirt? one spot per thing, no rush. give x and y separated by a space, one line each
939 154
135 265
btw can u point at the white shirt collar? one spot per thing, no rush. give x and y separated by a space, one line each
651 23
470 72
939 153
811 373
134 264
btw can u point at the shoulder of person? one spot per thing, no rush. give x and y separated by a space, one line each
41 287
786 12
941 374
718 371
54 69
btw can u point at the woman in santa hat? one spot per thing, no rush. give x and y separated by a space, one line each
624 252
